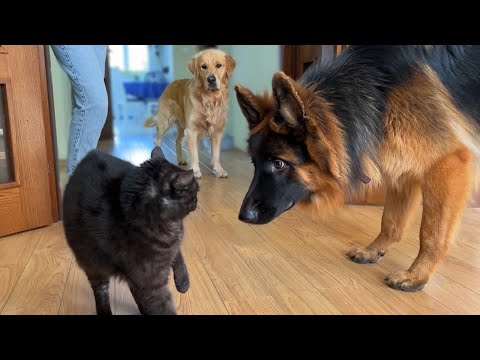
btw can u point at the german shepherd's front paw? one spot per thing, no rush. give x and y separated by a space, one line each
406 281
220 173
363 255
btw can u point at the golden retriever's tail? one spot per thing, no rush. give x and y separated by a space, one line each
151 121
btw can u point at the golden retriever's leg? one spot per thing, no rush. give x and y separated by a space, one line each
162 126
216 139
399 205
191 137
445 190
178 144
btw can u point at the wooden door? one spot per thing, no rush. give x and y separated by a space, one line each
28 196
297 58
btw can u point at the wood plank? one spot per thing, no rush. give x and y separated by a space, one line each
41 285
202 298
232 278
293 293
357 300
78 295
258 305
15 252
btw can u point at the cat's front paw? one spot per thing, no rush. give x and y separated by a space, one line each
182 283
220 172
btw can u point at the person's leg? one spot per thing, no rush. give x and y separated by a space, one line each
101 52
85 66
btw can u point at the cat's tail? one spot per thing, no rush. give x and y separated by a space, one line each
151 121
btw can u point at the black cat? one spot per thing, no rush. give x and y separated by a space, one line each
127 221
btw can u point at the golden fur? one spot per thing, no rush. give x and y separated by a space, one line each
197 107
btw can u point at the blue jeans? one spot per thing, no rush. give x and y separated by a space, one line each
85 66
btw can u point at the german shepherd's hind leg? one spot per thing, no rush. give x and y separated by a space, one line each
400 203
178 146
445 188
100 286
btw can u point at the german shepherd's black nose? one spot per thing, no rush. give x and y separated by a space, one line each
247 214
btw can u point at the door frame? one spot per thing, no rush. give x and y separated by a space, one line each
48 107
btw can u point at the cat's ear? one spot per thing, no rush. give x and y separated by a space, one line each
183 179
157 153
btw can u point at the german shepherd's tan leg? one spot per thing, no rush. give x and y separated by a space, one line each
216 139
191 137
178 146
445 190
399 207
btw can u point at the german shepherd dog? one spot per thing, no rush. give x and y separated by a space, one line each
407 117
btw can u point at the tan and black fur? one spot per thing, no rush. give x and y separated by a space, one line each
407 117
198 106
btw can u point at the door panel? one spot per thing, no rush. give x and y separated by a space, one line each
26 166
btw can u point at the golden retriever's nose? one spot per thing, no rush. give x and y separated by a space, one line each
211 80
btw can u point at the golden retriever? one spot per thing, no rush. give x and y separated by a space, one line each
198 106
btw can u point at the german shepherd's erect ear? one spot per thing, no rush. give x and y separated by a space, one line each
290 117
249 105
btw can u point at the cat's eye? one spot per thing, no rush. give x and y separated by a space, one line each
204 66
278 164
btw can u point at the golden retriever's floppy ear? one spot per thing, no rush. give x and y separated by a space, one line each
192 66
291 110
249 105
230 64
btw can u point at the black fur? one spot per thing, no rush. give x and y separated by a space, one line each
127 221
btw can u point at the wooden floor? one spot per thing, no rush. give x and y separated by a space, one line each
295 265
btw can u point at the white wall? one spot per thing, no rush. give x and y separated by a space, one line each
256 65
62 98
182 54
